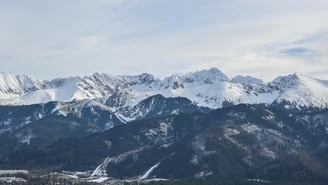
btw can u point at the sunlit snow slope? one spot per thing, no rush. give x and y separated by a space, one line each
209 88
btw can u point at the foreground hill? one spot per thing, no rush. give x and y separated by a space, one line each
234 142
40 124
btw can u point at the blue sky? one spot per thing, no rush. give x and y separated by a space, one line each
262 38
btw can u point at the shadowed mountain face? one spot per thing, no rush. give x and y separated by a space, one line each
41 124
225 143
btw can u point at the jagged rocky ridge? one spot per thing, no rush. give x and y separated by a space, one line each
208 88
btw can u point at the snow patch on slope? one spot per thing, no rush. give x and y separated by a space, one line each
145 176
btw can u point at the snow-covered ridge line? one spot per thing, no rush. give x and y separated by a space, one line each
208 88
24 89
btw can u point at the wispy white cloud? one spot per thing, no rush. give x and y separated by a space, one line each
259 38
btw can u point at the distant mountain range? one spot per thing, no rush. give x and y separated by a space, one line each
207 88
202 124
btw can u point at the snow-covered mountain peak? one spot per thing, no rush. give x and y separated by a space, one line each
216 71
296 79
246 80
299 91
204 77
213 73
26 80
15 85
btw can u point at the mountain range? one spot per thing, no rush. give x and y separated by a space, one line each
202 124
208 88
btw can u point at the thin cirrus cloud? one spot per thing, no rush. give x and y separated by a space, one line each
259 38
297 51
